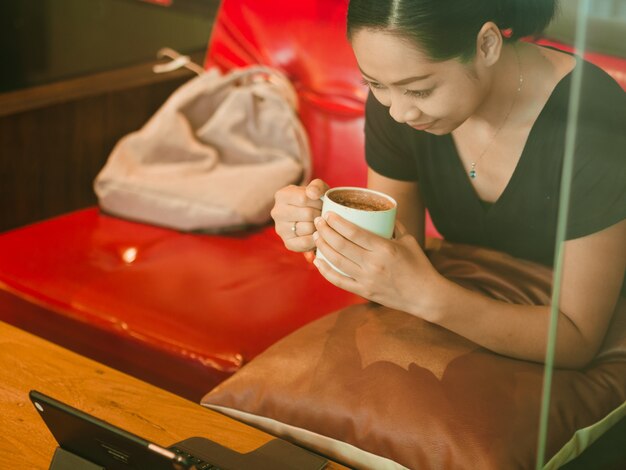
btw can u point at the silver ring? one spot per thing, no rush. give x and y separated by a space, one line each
294 228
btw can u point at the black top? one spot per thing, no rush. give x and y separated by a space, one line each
522 222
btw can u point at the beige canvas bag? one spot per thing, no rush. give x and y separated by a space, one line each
212 156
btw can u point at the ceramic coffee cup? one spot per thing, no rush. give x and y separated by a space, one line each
371 210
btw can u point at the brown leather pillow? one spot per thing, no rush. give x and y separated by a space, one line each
378 388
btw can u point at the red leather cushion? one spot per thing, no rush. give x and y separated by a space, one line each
209 301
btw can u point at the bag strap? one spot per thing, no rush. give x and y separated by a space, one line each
245 75
177 62
263 73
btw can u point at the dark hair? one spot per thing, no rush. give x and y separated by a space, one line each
447 29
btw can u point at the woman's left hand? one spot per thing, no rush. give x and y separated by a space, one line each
395 273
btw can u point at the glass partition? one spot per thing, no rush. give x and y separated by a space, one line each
595 30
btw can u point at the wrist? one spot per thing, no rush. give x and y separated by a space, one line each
429 301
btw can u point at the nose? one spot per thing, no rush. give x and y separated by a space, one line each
404 110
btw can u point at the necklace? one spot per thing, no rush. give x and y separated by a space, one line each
472 172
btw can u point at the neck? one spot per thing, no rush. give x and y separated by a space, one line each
503 89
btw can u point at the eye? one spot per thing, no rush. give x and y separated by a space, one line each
418 93
374 85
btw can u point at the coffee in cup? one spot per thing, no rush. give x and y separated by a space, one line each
371 210
361 200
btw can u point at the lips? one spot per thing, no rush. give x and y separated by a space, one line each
422 127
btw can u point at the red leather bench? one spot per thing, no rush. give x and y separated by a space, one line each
185 311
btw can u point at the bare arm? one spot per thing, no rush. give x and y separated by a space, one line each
593 271
396 273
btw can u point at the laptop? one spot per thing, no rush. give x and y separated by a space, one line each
86 442
101 443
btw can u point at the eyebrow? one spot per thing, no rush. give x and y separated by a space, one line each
404 81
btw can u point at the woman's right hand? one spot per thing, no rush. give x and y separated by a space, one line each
294 210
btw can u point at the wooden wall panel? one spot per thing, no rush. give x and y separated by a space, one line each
54 139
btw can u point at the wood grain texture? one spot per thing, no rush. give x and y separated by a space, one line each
110 81
54 139
28 362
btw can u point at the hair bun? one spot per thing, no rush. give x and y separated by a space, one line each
525 17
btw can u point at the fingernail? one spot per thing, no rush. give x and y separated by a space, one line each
316 262
326 216
316 221
315 236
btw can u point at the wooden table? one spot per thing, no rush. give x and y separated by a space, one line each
28 362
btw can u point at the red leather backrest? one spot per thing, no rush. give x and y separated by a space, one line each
306 39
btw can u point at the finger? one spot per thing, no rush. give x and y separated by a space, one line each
303 229
399 230
357 235
300 244
292 228
291 214
331 275
336 256
285 230
295 196
316 189
338 242
286 193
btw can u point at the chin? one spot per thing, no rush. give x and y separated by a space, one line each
438 131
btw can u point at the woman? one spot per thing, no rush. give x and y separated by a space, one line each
468 122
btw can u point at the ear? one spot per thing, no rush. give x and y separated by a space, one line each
488 44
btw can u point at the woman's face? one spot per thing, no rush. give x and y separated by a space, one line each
435 97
